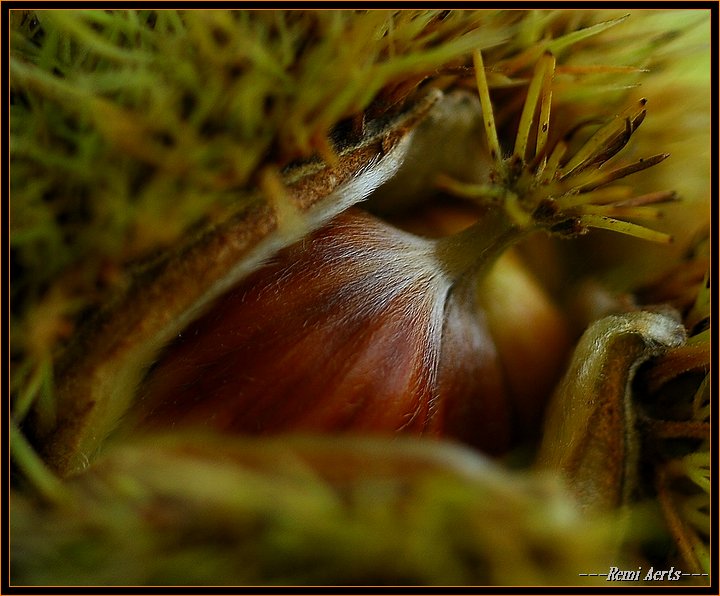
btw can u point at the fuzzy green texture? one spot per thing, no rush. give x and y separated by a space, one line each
129 129
204 510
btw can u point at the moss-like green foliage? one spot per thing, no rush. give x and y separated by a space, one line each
209 511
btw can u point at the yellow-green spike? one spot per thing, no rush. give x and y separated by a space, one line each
606 177
561 43
545 101
553 162
487 110
618 211
624 227
603 137
603 196
528 112
468 190
652 198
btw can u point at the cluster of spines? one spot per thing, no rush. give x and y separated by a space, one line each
540 188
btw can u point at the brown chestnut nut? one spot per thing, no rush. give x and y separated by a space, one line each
361 327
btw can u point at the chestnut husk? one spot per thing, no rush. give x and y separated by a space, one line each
97 374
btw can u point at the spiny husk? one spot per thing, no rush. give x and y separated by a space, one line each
132 130
99 372
677 85
135 125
